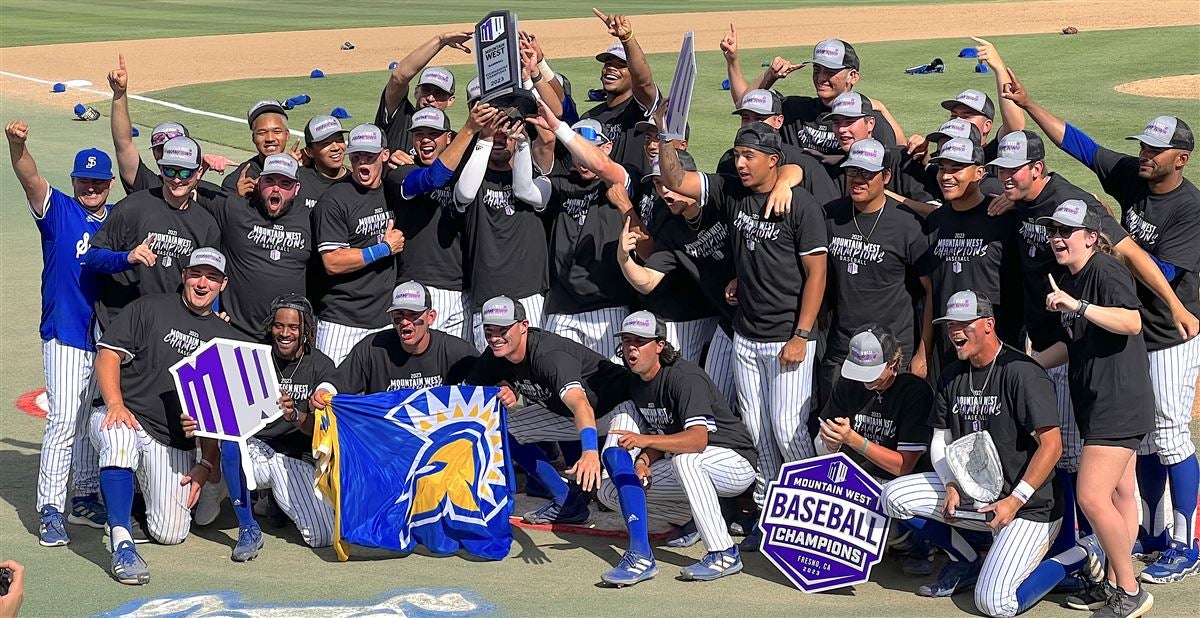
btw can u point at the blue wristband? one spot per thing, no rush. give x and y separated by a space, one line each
376 252
587 436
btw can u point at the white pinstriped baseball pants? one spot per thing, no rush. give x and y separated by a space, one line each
533 312
1018 547
596 329
685 486
719 366
336 340
1173 374
292 482
451 313
1072 442
689 337
775 405
159 470
535 423
69 393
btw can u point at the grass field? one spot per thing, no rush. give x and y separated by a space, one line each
1083 94
38 22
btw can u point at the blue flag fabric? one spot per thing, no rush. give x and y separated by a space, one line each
425 467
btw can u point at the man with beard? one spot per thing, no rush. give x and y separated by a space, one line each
356 236
65 224
281 452
268 122
409 355
435 88
629 91
325 158
144 244
268 241
422 197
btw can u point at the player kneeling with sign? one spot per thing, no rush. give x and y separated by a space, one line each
993 396
675 456
138 428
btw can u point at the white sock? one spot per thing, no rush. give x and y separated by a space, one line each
118 535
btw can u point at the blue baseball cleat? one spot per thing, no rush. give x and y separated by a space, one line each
685 536
128 566
753 539
632 569
714 565
87 510
52 531
955 577
250 541
1176 563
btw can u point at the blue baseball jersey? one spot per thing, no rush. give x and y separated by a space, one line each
68 293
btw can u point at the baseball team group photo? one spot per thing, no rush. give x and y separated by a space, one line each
865 307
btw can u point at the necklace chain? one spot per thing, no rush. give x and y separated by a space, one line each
867 237
986 379
296 368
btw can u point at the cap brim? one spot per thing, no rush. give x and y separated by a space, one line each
405 308
267 109
1151 141
285 175
369 149
321 138
422 125
859 373
499 323
1008 163
957 317
829 64
93 175
870 167
603 56
187 165
208 264
936 159
435 85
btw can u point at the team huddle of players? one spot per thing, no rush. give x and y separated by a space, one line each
706 327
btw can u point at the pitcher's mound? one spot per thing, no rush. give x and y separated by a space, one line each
1173 87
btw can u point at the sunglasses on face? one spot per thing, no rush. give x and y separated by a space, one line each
1061 231
856 172
181 173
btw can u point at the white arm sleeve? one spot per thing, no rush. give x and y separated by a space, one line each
819 444
937 455
524 188
471 177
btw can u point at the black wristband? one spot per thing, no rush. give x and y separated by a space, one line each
802 333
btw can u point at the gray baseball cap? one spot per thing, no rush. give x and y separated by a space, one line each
975 100
959 150
321 127
871 348
410 296
591 130
365 138
850 105
835 54
502 311
686 161
1073 213
282 164
967 306
956 127
616 50
643 324
1167 132
1018 148
207 256
868 154
430 118
474 92
440 77
269 106
762 102
181 152
166 131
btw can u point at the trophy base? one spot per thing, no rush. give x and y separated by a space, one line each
518 104
969 515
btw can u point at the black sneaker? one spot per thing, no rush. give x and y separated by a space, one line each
1093 598
1121 604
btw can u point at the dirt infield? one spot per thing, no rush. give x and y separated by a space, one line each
165 63
1173 87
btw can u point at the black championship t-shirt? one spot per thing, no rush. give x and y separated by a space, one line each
618 123
681 396
433 230
684 294
1109 373
1037 259
395 125
173 235
1016 400
298 378
379 363
254 164
506 250
586 228
552 366
349 215
767 254
816 180
1166 226
151 334
266 257
871 256
313 185
804 127
896 419
145 178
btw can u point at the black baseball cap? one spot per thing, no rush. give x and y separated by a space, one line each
761 137
268 106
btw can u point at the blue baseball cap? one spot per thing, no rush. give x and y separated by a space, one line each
92 163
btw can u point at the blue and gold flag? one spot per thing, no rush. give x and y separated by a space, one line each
423 467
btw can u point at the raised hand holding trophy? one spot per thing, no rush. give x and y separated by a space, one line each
497 59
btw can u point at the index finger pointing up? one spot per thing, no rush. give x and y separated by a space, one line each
1053 283
601 15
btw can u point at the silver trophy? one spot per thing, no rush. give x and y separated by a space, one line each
498 61
976 466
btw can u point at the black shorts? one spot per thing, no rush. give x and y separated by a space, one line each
1132 442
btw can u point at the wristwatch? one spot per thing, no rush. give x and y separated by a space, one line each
802 333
